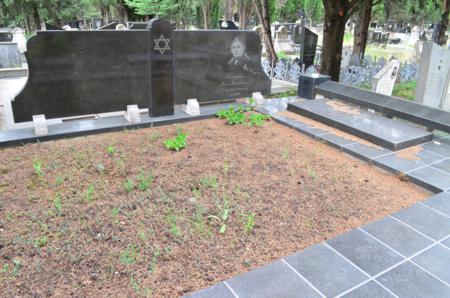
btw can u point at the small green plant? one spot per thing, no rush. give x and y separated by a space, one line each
155 137
59 180
232 115
37 165
111 150
285 153
222 216
57 203
129 185
129 255
144 182
40 242
177 143
152 265
257 119
172 219
89 196
249 222
209 182
17 265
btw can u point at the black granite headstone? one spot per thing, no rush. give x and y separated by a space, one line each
52 27
137 25
84 72
212 65
308 45
307 84
161 68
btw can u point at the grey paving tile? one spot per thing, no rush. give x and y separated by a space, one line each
410 281
446 242
365 152
440 202
430 178
401 238
326 270
273 280
394 163
219 290
443 165
427 221
440 147
335 141
365 252
437 261
370 289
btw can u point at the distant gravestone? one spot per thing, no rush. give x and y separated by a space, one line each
137 25
227 25
433 80
282 41
415 35
6 36
308 45
110 26
347 52
20 39
9 55
383 82
48 26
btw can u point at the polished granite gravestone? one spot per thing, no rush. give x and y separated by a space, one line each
161 68
390 106
308 44
51 27
75 73
385 132
212 65
84 72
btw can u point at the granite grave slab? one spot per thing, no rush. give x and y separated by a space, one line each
387 133
391 106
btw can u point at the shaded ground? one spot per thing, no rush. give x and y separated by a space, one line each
119 215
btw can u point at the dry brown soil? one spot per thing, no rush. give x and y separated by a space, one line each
76 231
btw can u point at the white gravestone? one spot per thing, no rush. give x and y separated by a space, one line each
19 38
433 80
282 41
347 52
383 82
192 107
133 115
40 125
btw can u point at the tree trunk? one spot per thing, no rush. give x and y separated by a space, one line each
242 14
36 18
229 6
362 28
205 16
264 17
444 23
336 15
122 11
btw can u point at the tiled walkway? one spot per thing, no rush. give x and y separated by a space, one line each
406 254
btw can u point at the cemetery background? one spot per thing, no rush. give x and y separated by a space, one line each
115 183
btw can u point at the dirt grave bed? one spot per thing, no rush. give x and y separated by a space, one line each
119 215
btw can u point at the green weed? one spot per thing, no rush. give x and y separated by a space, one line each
129 185
57 203
144 182
129 255
232 115
40 242
89 195
249 222
177 143
111 150
257 119
37 166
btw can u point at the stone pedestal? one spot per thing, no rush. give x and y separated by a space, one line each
40 125
258 97
192 107
133 115
307 84
161 68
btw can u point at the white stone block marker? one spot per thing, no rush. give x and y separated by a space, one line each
40 125
192 107
133 115
383 82
258 97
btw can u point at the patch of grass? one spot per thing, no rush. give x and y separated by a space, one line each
129 185
57 203
406 90
365 86
129 255
222 216
155 136
40 242
37 166
249 222
285 153
144 182
89 195
59 180
172 220
209 182
152 265
288 93
177 143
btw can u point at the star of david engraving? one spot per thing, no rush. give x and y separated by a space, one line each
165 41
